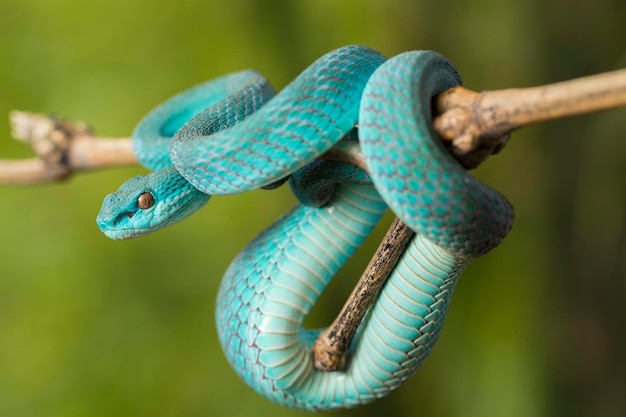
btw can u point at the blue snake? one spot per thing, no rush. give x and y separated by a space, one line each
233 134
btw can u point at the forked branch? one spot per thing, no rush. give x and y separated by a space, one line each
472 125
475 126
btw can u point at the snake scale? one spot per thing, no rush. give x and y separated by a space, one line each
234 134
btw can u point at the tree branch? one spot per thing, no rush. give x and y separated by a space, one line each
62 148
479 125
473 126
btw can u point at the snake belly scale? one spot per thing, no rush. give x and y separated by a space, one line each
269 288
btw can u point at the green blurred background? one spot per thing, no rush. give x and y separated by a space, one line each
92 327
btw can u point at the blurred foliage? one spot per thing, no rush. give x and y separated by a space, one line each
92 327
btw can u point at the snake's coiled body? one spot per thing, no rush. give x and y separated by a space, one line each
271 285
306 119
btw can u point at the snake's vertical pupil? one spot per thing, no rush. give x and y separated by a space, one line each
145 201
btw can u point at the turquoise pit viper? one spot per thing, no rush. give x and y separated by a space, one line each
234 134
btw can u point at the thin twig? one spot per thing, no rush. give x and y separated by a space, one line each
330 348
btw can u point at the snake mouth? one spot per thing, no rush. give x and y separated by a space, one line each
116 232
122 234
112 228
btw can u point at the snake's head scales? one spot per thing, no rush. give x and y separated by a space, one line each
148 203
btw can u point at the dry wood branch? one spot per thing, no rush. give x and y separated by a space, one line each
478 125
331 346
474 126
62 148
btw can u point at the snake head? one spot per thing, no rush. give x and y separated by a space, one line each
148 203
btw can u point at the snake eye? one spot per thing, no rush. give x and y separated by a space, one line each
145 201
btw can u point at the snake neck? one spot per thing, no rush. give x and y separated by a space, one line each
315 184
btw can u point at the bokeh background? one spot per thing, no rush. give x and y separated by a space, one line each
93 327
